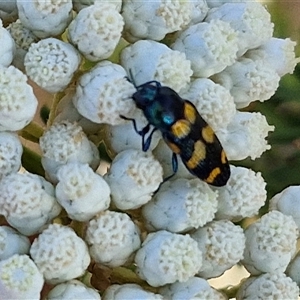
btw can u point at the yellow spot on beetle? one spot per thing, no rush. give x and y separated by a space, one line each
189 112
208 134
181 128
173 147
223 157
199 154
213 174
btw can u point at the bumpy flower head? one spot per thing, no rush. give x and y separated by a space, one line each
12 242
7 48
167 257
112 238
17 100
73 289
268 286
270 243
249 80
154 19
251 21
245 136
243 195
129 291
149 60
105 25
104 93
288 202
45 18
81 192
293 269
213 101
133 177
51 63
20 278
10 153
210 47
222 244
60 254
280 53
196 204
65 142
123 137
23 38
193 288
27 202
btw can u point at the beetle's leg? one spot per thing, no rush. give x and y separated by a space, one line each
146 144
142 132
174 167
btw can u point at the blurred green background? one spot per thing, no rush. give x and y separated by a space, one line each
280 166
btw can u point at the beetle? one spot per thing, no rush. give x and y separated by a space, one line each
183 129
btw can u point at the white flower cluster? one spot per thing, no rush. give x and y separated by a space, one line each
157 240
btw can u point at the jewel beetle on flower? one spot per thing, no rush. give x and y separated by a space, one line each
184 131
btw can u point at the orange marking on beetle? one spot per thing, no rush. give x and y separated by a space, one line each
223 157
213 174
208 134
199 154
181 128
173 147
189 112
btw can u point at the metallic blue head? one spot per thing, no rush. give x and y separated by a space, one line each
146 94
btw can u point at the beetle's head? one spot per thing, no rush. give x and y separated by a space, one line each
145 94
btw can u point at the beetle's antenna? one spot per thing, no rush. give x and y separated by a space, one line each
130 78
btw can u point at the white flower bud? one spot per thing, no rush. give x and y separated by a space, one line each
194 288
17 100
268 286
167 257
51 63
210 47
129 291
213 101
73 289
249 80
150 60
7 49
104 93
45 18
60 254
196 204
23 38
280 53
27 202
80 4
245 136
243 195
20 278
65 142
12 242
288 203
251 21
293 269
222 244
133 177
270 243
96 30
154 19
112 238
10 153
81 192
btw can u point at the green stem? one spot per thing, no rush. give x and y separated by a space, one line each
31 161
32 132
